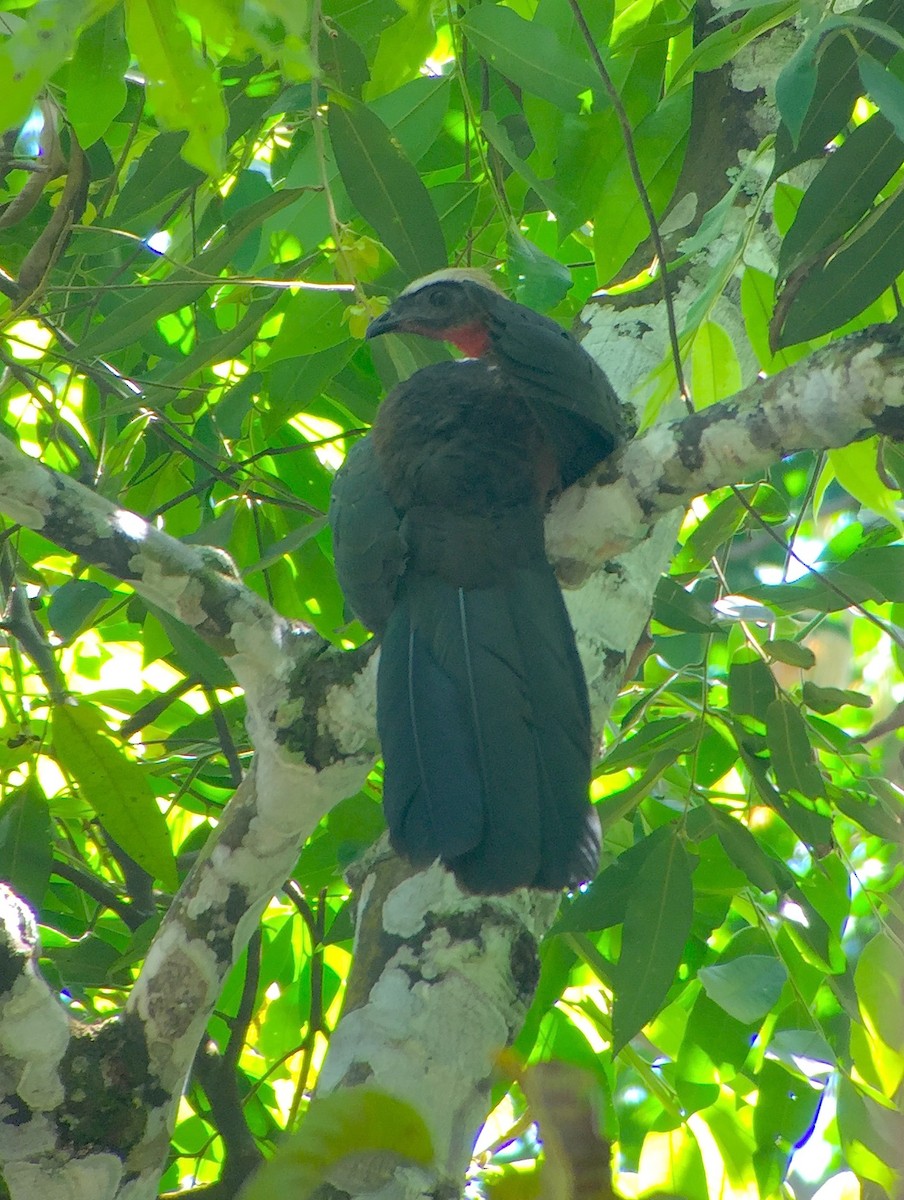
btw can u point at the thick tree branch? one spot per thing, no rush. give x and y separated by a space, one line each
311 717
844 392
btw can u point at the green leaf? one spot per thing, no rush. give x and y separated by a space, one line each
528 54
715 370
878 976
856 469
313 322
786 1109
870 1135
856 275
386 188
886 89
74 605
193 655
135 318
657 924
37 47
830 699
182 87
837 88
792 653
26 845
605 902
96 91
498 137
295 382
725 518
619 222
116 788
675 734
792 755
844 191
720 47
355 1122
677 608
796 85
763 871
539 281
745 987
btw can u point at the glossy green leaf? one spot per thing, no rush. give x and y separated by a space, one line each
870 1135
789 745
528 54
785 1111
313 322
539 281
861 270
96 91
182 87
657 923
730 514
605 902
674 734
619 222
74 605
498 137
837 88
886 89
746 987
844 191
353 1122
386 188
415 113
116 787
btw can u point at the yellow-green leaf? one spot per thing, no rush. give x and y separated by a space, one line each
855 469
182 89
356 1121
116 788
715 370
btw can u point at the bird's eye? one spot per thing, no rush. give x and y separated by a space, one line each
439 298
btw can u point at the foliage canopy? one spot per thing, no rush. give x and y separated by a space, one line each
202 203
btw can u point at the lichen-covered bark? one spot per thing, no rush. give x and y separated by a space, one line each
441 980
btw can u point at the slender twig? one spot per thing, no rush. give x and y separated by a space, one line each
628 139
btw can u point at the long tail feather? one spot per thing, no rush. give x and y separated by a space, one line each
485 732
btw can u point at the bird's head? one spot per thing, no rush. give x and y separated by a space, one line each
452 305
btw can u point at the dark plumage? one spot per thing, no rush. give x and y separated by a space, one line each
438 532
570 394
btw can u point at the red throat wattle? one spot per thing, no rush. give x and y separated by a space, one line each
472 340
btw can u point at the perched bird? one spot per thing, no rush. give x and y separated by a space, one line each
437 522
571 396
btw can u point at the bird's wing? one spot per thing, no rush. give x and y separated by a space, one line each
554 369
367 546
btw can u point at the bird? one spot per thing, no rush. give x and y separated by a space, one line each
437 519
572 397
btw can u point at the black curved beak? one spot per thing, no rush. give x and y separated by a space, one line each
386 322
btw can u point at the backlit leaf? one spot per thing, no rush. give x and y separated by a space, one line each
657 923
116 787
386 188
